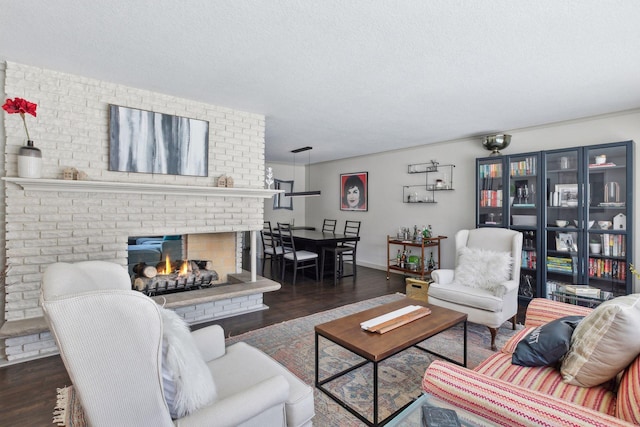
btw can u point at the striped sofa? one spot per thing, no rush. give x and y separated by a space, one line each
513 395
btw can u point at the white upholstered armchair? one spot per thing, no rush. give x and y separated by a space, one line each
484 284
120 353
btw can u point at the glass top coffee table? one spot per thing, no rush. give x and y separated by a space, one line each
374 347
411 416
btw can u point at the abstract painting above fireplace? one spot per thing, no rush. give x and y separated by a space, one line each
149 142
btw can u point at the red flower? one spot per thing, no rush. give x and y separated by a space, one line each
21 106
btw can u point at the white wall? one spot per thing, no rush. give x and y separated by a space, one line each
455 209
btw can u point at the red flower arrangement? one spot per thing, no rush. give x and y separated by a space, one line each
22 107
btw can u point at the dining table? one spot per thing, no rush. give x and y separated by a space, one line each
313 240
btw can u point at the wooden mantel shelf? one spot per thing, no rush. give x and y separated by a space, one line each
39 184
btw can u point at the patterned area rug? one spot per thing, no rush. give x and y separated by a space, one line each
292 343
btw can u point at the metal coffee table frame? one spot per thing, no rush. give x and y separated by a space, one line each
320 383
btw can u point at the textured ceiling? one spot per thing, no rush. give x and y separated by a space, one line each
350 77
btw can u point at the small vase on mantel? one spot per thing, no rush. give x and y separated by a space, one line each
29 161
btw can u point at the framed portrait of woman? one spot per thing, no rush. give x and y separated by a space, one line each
354 195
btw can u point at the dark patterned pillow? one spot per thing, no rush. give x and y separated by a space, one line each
546 345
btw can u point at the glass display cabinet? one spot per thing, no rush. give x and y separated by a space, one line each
524 213
574 209
564 225
587 235
610 199
489 184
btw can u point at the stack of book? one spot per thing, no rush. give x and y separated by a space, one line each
583 291
559 264
601 165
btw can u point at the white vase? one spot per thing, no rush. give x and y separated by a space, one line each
29 161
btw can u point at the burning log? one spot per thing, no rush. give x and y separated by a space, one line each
160 283
145 270
182 275
173 282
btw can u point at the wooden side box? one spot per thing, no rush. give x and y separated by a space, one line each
417 289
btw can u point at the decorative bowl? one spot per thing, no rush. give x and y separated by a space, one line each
575 221
495 143
605 225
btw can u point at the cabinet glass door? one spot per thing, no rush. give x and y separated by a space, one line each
608 196
564 222
490 194
524 209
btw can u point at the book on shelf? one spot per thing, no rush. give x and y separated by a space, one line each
607 268
613 244
493 170
526 167
491 198
529 259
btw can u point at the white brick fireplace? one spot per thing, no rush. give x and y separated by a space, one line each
51 220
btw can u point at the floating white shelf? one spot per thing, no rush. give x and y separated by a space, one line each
38 184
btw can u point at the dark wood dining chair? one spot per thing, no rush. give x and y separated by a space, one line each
329 225
342 251
299 259
271 248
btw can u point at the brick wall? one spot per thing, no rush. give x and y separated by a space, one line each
71 129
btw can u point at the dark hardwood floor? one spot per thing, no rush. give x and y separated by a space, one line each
28 390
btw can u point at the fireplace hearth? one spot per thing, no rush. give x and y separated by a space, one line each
173 276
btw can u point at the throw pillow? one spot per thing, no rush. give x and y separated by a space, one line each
546 344
482 268
186 379
604 343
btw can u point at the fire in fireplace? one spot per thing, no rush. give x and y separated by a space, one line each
169 277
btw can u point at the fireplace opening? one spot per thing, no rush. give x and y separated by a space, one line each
154 262
173 276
